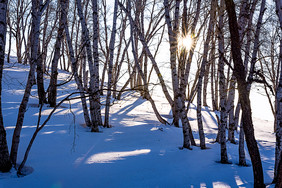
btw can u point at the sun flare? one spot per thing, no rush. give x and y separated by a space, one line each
185 42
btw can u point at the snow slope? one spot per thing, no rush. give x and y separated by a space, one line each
137 152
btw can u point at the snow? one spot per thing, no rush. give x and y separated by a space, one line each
137 151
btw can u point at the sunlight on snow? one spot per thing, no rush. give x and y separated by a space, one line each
109 157
238 180
220 184
48 132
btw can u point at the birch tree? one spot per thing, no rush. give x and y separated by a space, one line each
278 131
239 71
86 40
97 105
110 66
52 93
222 85
202 71
37 9
5 163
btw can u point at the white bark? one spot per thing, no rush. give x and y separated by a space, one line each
202 71
222 86
35 32
278 148
86 41
97 106
110 66
63 4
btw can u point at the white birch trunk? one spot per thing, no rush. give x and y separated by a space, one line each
202 71
222 86
151 57
278 131
86 41
110 66
97 105
63 4
35 32
173 31
147 94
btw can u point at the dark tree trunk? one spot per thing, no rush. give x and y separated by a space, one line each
239 72
52 93
40 79
5 163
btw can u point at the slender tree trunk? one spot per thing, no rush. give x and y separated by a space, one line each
242 156
222 86
202 71
35 32
110 66
230 105
173 31
97 105
147 94
63 4
239 71
5 163
86 41
39 77
52 93
151 57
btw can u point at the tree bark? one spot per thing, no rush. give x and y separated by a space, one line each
39 77
222 86
52 93
239 72
202 71
278 131
35 32
110 66
97 104
5 163
86 40
63 4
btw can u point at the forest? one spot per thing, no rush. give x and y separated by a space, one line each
140 93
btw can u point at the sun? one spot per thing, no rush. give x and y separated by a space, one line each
185 42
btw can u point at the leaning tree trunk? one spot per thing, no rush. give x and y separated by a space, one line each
146 92
239 71
35 32
5 163
87 43
63 4
151 57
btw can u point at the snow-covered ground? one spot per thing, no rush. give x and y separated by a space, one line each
136 152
